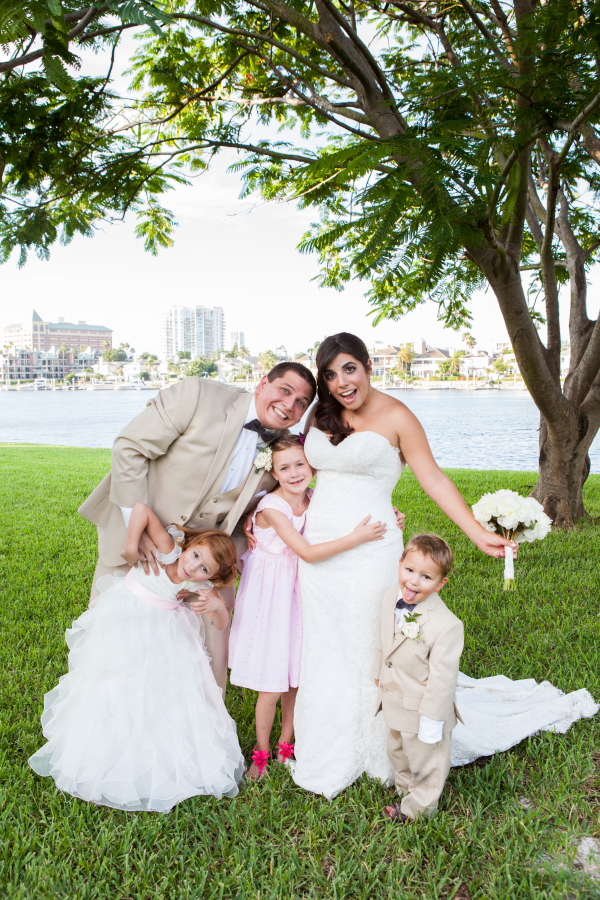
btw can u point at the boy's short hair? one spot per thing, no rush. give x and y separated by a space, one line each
435 547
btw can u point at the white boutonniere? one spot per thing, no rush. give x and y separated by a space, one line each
411 628
264 460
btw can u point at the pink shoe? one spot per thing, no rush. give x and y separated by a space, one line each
261 758
286 751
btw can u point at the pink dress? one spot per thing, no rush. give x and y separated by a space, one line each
266 636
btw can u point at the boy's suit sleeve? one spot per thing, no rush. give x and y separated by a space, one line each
444 659
149 436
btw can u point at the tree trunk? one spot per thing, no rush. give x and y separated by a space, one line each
564 468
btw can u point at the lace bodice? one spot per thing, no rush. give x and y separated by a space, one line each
354 479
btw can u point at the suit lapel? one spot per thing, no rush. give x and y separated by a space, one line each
422 611
249 488
236 417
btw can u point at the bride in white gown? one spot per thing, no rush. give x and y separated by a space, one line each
359 443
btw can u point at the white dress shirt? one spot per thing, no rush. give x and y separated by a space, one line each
430 730
247 448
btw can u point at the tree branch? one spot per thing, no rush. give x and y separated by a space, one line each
256 35
84 17
487 35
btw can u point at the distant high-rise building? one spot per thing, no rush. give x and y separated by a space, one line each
197 329
237 339
38 334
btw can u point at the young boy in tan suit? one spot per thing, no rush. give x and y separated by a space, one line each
418 653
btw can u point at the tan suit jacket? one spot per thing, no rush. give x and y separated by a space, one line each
174 456
418 679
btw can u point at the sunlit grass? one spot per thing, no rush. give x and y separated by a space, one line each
275 840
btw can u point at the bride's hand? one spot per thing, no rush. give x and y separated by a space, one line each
367 531
493 544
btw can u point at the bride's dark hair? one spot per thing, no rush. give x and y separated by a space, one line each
328 412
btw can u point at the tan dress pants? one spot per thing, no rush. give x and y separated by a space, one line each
217 642
421 771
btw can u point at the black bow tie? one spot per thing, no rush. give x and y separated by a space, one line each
402 604
264 433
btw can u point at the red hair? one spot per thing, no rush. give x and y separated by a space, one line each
222 550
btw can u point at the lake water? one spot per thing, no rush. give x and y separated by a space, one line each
466 429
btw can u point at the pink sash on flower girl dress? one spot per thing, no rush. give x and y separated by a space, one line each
149 596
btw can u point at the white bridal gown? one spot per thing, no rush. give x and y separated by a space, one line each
139 722
337 736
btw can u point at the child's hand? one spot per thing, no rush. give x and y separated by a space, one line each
400 519
210 603
184 594
248 525
367 531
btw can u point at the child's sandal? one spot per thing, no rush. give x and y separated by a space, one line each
260 758
285 752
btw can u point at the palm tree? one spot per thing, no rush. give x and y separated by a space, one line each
469 340
405 357
64 349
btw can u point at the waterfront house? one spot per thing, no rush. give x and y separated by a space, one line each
428 362
383 358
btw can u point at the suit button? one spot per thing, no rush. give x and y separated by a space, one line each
184 518
216 500
389 665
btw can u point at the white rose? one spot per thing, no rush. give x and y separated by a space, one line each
264 460
539 529
410 629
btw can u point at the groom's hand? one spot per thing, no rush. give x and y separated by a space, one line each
147 552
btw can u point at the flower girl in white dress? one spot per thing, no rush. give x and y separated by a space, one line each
139 721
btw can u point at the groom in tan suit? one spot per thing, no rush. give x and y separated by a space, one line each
419 646
190 456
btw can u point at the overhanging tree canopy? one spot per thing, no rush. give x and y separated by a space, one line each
446 145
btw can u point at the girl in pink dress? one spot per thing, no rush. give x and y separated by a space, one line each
266 637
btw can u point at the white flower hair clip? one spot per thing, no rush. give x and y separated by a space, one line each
264 460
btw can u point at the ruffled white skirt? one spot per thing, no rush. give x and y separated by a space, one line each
139 722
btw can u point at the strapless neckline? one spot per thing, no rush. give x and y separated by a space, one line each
355 434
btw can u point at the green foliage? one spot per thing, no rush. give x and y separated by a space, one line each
64 166
184 354
506 827
201 365
115 356
268 360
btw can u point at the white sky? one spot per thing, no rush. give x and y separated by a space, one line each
228 252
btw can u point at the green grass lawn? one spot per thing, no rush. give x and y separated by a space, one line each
275 840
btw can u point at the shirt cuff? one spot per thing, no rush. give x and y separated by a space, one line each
126 510
430 730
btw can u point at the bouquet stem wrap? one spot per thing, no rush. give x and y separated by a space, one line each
516 518
509 569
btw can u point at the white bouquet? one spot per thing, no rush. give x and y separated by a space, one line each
520 519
